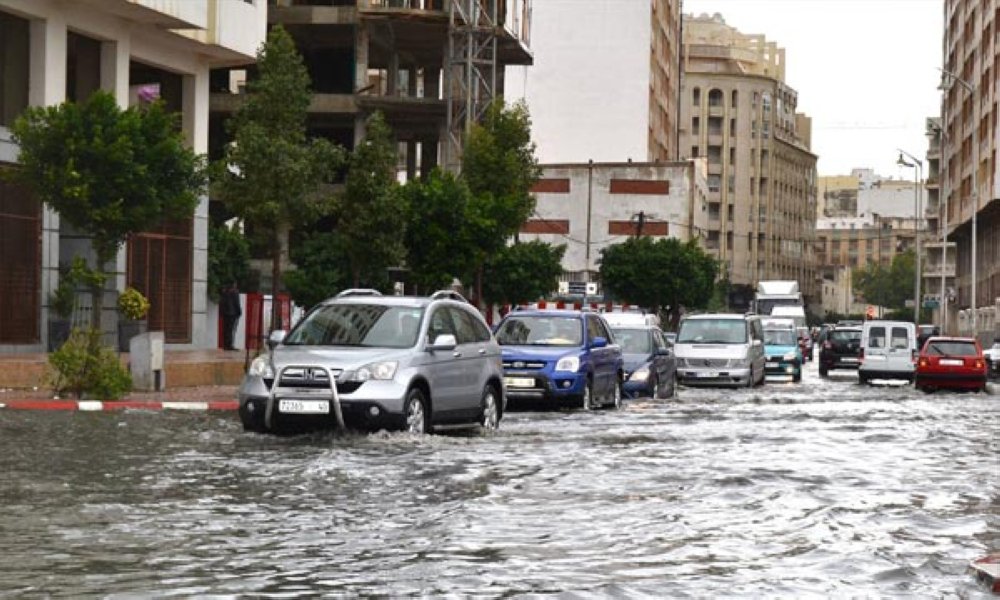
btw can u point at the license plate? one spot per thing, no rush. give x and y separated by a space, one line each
952 362
849 359
519 382
772 365
708 374
304 407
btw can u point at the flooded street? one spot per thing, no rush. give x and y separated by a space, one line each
811 490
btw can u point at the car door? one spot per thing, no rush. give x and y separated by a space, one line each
603 359
875 348
661 360
473 343
756 331
902 340
444 367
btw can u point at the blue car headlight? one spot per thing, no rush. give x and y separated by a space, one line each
570 364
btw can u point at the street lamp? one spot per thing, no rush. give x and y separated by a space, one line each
917 177
971 89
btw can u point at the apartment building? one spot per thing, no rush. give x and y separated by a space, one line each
855 242
738 111
605 82
939 250
589 207
52 51
969 182
430 66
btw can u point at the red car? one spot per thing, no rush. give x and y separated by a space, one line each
951 362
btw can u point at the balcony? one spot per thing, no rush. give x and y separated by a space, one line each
938 271
235 28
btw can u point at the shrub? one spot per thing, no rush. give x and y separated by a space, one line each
132 304
84 367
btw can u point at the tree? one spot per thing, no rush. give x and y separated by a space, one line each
272 174
657 275
371 214
320 272
437 235
228 259
500 168
890 286
108 172
522 272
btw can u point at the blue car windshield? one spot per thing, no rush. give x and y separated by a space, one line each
780 337
633 341
364 325
540 330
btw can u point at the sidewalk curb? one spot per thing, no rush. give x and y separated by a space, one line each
118 405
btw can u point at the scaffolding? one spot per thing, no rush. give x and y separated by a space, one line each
471 73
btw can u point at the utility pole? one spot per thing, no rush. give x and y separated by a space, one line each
639 223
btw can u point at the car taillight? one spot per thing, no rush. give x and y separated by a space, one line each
924 362
979 364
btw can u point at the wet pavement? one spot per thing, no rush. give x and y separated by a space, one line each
818 489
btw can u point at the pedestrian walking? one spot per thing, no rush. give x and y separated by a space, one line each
229 308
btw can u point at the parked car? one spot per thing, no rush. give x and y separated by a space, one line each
953 363
841 350
805 343
650 366
781 343
561 355
888 350
992 356
720 350
378 362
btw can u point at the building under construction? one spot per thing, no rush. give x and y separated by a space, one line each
430 66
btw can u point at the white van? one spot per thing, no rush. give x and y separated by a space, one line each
888 350
796 313
720 349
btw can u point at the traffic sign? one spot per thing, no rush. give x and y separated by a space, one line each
578 287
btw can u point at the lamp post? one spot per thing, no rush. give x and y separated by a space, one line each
971 89
917 177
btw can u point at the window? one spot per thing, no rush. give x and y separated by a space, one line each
14 64
900 338
470 328
696 95
440 324
876 337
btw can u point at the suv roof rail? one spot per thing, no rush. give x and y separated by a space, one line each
358 292
448 294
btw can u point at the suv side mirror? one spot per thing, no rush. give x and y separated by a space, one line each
599 342
663 351
444 341
276 337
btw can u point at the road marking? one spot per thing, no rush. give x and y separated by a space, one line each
185 405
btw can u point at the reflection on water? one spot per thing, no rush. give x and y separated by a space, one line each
825 488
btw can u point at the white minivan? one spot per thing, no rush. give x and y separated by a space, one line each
720 350
888 350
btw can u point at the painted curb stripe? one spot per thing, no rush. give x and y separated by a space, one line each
90 405
118 405
131 405
185 406
223 405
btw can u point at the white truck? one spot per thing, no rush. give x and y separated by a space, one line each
776 293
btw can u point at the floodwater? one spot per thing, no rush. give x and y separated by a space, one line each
820 489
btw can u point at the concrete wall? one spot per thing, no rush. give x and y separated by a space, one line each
588 91
890 199
609 196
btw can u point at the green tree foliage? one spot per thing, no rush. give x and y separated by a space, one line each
82 367
437 235
499 166
272 173
522 272
889 286
228 259
659 275
108 172
321 269
372 214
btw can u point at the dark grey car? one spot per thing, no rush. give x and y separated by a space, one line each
397 363
650 366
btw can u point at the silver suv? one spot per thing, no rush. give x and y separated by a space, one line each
397 362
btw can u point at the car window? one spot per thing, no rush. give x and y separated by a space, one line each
950 348
597 324
464 328
441 323
540 330
756 330
900 338
358 325
659 342
876 337
845 336
779 337
633 341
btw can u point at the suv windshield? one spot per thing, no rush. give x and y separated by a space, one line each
845 336
713 331
633 341
540 330
367 325
779 337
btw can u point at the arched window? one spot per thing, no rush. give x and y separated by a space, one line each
715 98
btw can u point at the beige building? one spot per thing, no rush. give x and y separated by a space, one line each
737 111
969 182
605 81
855 242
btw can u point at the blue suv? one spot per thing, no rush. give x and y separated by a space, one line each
560 355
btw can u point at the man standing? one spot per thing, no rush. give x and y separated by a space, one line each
229 308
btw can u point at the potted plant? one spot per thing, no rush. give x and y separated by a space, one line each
62 301
132 309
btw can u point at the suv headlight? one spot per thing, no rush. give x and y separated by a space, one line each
379 371
739 363
791 356
568 363
261 367
641 374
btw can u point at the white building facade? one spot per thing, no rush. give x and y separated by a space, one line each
590 206
52 51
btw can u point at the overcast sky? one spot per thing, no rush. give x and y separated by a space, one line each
866 71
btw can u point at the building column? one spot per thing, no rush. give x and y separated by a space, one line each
115 67
392 85
361 42
47 87
195 95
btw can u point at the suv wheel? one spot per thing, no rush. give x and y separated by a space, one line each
417 420
490 419
587 402
617 393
